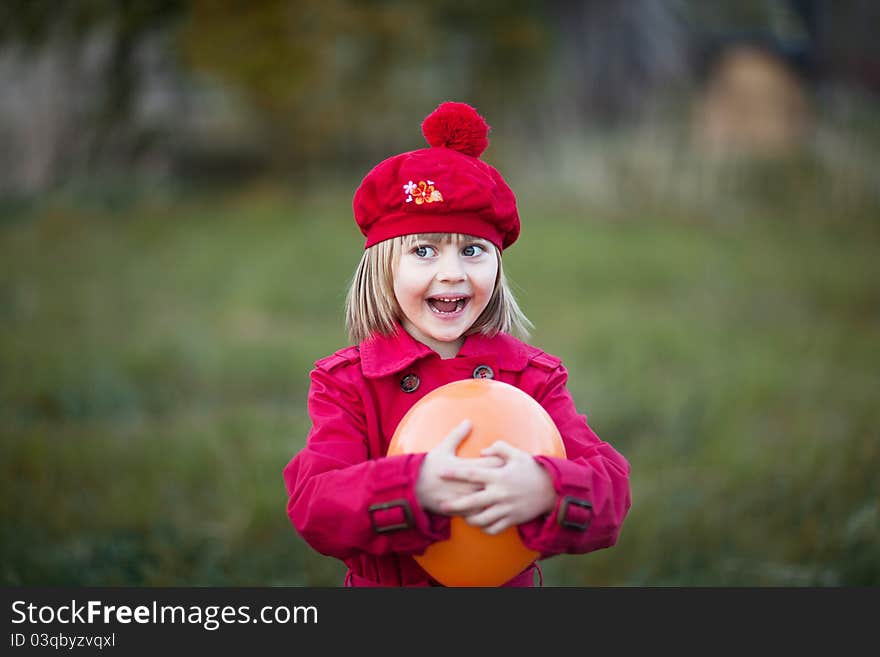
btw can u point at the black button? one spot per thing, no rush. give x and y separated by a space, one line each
483 372
409 383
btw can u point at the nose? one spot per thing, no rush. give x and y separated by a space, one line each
450 269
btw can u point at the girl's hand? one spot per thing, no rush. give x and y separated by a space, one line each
435 492
514 493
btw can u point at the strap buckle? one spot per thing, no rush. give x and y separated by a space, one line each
562 516
384 506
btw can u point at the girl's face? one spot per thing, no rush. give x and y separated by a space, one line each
442 287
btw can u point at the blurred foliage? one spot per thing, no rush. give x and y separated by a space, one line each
224 89
327 72
78 67
33 22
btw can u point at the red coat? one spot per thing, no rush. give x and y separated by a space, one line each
338 483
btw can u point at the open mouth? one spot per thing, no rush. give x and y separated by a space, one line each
447 305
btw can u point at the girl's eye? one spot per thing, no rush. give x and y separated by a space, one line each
473 250
424 251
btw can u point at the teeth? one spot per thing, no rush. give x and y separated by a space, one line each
459 304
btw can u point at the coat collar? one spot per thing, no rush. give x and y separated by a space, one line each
382 355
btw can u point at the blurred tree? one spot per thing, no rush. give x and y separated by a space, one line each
847 44
79 70
95 85
619 59
784 28
341 80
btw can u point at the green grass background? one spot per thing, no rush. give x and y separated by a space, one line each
155 358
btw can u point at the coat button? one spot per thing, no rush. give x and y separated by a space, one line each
409 383
483 372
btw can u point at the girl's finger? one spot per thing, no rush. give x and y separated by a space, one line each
468 504
453 439
500 449
481 462
468 472
488 516
456 489
489 461
499 526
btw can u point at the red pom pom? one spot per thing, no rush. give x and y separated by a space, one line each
457 126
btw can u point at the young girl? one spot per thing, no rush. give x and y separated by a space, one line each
429 305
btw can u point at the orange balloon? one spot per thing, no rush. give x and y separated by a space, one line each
497 411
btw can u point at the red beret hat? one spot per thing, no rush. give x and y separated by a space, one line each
446 188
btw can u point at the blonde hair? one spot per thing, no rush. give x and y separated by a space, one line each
371 306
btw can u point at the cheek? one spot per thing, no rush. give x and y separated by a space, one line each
399 280
406 289
401 296
488 278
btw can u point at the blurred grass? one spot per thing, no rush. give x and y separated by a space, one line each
155 362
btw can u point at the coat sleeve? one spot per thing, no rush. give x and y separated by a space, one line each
592 482
341 502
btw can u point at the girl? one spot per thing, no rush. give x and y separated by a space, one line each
429 305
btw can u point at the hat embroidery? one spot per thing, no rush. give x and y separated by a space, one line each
424 192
